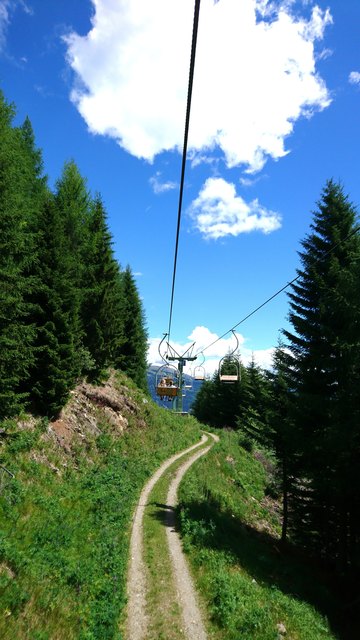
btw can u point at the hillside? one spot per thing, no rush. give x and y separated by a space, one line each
65 515
68 493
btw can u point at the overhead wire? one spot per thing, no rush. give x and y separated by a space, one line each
184 153
274 295
181 190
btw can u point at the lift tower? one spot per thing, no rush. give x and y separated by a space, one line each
174 356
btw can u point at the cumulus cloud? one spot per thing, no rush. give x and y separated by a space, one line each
161 187
255 75
354 77
203 337
218 212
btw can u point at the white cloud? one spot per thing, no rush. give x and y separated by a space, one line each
203 337
161 187
4 22
255 75
7 8
354 77
324 54
218 212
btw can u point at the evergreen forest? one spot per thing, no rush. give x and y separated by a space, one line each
67 309
306 410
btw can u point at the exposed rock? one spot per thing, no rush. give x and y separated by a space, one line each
89 410
281 629
116 419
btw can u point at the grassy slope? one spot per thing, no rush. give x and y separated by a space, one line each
64 536
231 531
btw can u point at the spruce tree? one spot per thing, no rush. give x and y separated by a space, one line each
16 258
130 355
72 201
254 406
281 433
219 404
56 346
325 348
102 295
205 404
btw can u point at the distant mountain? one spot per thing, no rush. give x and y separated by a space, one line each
190 393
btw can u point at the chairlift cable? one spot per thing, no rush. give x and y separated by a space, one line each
276 294
186 133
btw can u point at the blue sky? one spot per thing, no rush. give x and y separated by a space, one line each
276 108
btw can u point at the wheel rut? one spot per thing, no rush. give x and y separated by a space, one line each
137 620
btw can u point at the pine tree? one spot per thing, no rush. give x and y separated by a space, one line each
325 348
72 201
16 258
53 374
281 432
101 309
253 416
205 405
130 355
219 404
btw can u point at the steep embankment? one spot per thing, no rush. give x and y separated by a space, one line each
65 515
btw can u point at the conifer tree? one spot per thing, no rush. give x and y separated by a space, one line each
130 356
205 407
102 298
281 432
16 257
72 201
53 374
220 404
254 406
325 348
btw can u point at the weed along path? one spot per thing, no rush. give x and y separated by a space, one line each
146 609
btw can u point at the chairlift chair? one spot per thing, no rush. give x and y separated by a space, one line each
199 370
166 381
232 374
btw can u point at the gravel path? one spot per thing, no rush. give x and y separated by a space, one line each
192 621
136 589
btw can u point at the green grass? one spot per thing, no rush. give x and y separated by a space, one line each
231 532
64 537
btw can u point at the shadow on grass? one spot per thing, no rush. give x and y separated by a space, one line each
270 563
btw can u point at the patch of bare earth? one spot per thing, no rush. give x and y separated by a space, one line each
90 409
89 406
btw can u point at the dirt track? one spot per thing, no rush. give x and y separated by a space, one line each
137 622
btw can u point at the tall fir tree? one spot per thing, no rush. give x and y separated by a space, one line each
102 297
16 258
130 355
219 404
281 433
253 415
72 201
53 374
325 344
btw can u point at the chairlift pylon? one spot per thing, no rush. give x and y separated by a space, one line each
166 377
